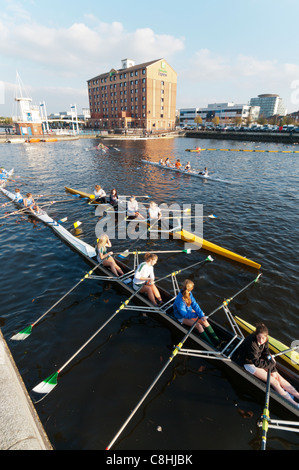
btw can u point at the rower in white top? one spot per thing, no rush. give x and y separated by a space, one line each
132 209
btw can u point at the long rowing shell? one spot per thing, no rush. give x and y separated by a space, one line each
79 193
292 357
206 245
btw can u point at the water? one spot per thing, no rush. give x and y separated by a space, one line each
196 404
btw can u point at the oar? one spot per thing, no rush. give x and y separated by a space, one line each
15 212
41 390
22 335
266 415
174 353
126 195
211 216
188 251
125 254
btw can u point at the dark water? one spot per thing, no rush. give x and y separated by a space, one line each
196 404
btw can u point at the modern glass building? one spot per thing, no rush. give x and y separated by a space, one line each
226 112
270 105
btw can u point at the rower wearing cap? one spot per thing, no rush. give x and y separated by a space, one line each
178 164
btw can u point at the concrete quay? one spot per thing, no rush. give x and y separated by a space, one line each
20 427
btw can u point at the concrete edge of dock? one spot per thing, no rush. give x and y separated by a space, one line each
20 426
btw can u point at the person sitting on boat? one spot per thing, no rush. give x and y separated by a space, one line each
204 172
188 166
255 356
3 173
178 164
144 278
167 162
113 199
100 195
30 203
161 162
154 212
186 310
18 196
198 149
132 209
105 257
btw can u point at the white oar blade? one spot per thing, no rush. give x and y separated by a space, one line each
41 390
22 334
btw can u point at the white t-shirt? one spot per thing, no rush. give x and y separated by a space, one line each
132 207
144 270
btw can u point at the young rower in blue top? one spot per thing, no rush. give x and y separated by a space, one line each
187 310
30 203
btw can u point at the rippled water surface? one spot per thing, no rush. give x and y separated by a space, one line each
196 404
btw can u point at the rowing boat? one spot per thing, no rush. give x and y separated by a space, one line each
212 247
81 194
3 181
231 339
179 233
185 172
242 150
291 357
76 243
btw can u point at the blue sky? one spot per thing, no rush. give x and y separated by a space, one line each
222 50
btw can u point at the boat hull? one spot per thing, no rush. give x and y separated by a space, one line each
88 253
206 245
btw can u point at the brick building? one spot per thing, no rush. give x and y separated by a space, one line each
136 96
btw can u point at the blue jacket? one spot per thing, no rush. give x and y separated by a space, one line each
181 310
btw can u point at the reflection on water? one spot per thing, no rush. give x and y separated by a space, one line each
257 218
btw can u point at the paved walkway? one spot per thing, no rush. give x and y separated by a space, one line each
20 427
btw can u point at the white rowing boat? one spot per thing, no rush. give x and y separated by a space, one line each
185 172
231 338
76 243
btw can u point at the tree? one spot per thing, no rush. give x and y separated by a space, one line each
198 120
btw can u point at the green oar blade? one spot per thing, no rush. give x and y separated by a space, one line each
44 388
22 334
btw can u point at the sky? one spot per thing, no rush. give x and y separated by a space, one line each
222 50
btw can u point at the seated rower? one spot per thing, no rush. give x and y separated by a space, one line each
106 257
178 164
132 209
256 358
3 173
30 203
198 149
204 173
167 162
187 310
161 162
144 277
100 195
154 211
188 166
113 199
18 196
